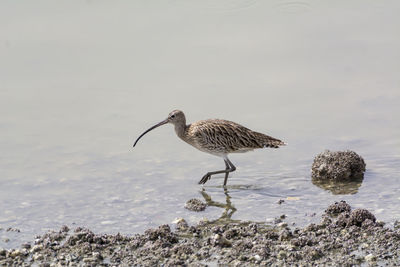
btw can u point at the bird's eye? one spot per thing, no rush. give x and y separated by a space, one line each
172 116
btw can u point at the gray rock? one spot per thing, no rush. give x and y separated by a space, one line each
359 216
338 166
181 224
195 205
337 208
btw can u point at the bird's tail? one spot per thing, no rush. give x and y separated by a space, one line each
269 141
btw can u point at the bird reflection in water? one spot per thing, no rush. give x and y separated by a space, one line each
229 209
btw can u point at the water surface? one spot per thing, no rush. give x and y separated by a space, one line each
79 81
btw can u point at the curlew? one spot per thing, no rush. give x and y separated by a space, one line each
217 137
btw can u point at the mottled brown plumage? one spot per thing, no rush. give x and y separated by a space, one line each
222 136
217 137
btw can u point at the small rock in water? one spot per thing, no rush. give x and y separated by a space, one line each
64 229
337 208
181 224
195 205
338 166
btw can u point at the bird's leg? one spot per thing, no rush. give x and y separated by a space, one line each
229 168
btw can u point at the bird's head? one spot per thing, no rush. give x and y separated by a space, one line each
175 117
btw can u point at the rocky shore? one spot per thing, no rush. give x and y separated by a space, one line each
343 237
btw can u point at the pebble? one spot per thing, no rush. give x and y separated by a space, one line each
3 252
15 253
257 258
37 256
181 224
220 240
195 205
64 229
97 255
370 258
36 248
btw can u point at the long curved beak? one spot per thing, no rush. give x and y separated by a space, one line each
155 126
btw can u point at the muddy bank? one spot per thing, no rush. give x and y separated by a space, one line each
343 237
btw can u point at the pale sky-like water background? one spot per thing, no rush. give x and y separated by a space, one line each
81 80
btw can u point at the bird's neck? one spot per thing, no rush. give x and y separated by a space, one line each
180 130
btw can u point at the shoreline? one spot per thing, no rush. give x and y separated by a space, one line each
342 237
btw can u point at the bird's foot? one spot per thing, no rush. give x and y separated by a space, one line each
205 178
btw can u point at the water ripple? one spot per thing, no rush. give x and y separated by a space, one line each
220 6
293 7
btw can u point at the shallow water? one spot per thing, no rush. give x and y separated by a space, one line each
80 81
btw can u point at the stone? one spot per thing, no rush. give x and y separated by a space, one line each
337 208
195 205
338 166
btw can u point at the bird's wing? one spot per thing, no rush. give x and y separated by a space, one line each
230 136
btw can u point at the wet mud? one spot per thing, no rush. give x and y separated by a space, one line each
343 237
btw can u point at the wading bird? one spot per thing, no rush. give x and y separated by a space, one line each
217 137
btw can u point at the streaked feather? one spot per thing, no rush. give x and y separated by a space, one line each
221 136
